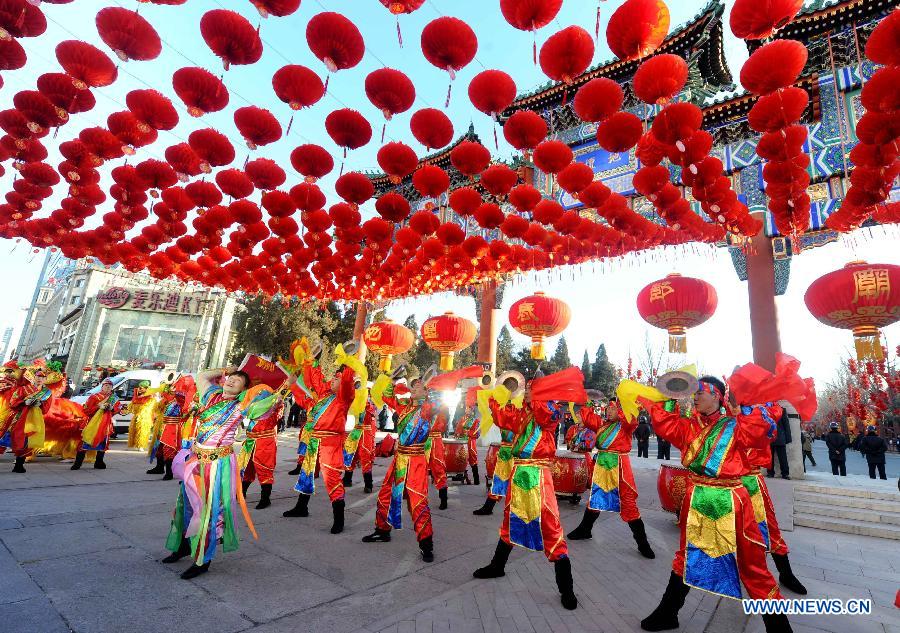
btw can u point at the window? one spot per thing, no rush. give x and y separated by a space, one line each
75 299
79 282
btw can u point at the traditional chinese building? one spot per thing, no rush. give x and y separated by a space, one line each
106 317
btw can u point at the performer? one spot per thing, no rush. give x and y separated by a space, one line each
721 544
173 411
406 475
143 411
531 516
28 402
304 396
359 448
95 435
258 455
204 513
434 455
469 428
326 430
613 488
10 375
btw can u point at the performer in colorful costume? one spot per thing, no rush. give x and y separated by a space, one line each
306 359
10 374
469 428
204 513
531 516
407 474
613 488
143 412
28 402
721 545
435 456
498 484
359 447
325 430
174 411
258 455
95 435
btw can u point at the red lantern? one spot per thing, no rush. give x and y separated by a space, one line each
449 44
231 37
335 41
637 28
398 160
257 125
200 90
489 216
278 8
860 297
552 156
598 99
387 339
465 200
353 187
882 47
575 177
660 78
529 15
390 91
492 91
499 179
448 334
87 65
59 89
525 129
128 34
348 129
213 148
265 173
775 65
234 183
297 86
755 20
392 207
431 127
539 317
312 161
620 132
430 181
150 106
567 54
675 304
470 158
524 198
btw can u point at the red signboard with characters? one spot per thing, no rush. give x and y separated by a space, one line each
114 297
263 371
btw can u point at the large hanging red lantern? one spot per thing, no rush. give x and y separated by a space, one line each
539 317
59 89
529 15
231 37
756 20
551 157
525 129
449 44
128 34
348 129
297 86
398 160
312 161
775 65
448 334
388 339
637 28
677 303
257 125
431 127
22 19
200 90
87 65
660 78
598 99
390 91
567 54
335 40
470 158
152 107
859 297
353 187
882 46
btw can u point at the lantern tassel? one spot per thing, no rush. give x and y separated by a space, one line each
449 89
290 123
446 363
537 349
868 345
327 79
385 363
496 144
677 344
534 46
399 34
383 130
597 25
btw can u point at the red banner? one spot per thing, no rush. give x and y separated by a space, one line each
263 371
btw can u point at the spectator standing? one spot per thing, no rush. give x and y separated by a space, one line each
779 446
837 450
806 442
642 434
874 447
663 448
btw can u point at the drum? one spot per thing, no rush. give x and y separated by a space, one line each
571 474
456 456
490 460
671 485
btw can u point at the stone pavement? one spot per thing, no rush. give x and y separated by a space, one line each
79 551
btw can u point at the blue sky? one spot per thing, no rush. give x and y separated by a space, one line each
602 298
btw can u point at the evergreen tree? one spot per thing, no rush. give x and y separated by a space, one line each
603 373
560 359
523 362
586 368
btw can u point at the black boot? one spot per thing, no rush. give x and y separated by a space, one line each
665 616
299 510
296 470
475 478
427 547
583 531
99 464
497 566
442 494
245 486
348 479
777 623
786 577
378 536
195 570
79 460
19 466
265 492
158 469
367 480
640 537
337 510
183 550
487 508
562 569
169 475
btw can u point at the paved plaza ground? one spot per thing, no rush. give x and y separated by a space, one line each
79 551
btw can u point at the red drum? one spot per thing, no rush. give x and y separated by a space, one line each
671 485
490 459
456 456
571 473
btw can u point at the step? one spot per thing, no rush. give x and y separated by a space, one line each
847 526
876 505
856 514
840 491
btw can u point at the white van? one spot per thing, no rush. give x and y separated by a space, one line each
123 385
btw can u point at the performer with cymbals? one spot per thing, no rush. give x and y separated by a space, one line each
612 485
95 435
29 400
258 454
531 516
498 484
143 412
359 447
468 428
306 359
721 545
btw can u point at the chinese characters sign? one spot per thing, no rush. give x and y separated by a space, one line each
153 300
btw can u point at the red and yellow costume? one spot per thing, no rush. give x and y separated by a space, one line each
763 508
612 484
434 450
25 426
721 546
10 374
359 447
143 416
468 429
100 409
172 411
258 453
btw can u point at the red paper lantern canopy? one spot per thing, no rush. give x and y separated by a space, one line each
882 46
755 20
21 19
598 99
348 129
431 127
278 8
492 91
128 34
231 37
552 156
430 181
619 132
775 65
525 129
388 339
529 15
539 317
499 179
448 334
675 304
470 158
660 78
860 297
152 107
353 187
398 160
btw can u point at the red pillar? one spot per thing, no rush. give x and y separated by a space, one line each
359 326
488 324
761 291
